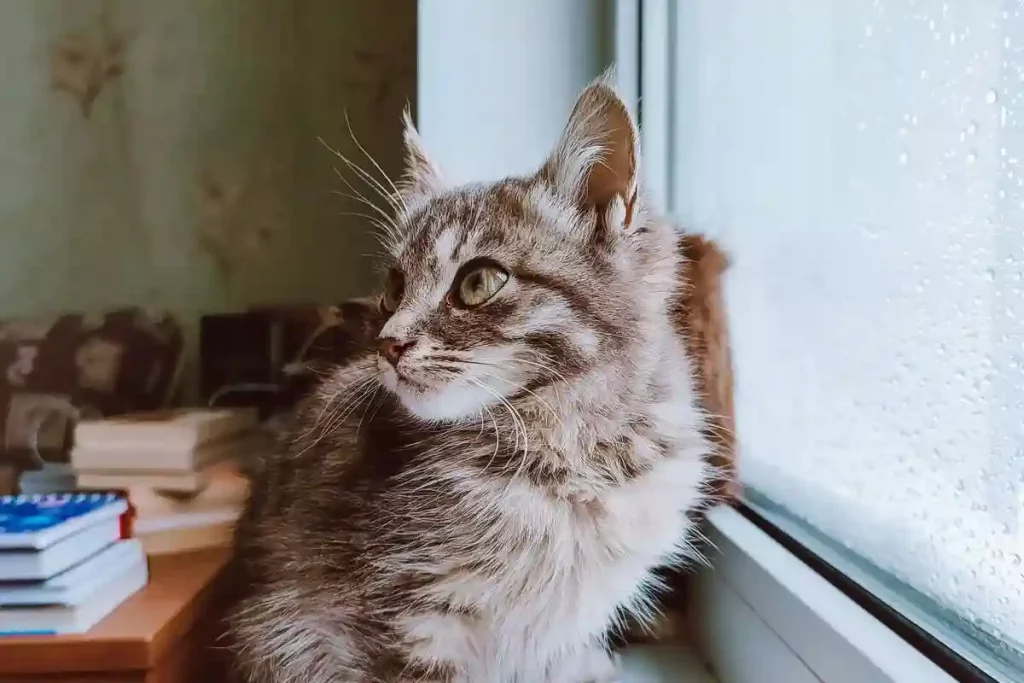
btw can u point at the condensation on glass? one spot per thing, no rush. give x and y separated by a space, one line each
864 162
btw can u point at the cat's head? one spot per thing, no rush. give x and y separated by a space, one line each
497 291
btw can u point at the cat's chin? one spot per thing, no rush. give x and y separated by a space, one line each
450 402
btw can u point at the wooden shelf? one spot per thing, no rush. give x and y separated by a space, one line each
135 642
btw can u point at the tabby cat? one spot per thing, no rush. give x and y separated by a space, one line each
485 495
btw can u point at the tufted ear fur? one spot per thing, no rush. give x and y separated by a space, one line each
595 162
422 176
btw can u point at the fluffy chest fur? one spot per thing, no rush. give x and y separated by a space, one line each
555 579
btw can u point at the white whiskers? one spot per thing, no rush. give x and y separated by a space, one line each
357 393
389 231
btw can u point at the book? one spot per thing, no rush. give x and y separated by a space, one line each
183 429
76 584
34 564
173 524
159 456
184 484
199 531
116 587
226 487
187 520
38 521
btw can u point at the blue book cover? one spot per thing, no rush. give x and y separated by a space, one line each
37 521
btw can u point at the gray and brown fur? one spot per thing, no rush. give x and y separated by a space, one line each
492 504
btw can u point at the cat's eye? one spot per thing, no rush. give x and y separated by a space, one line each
394 288
480 284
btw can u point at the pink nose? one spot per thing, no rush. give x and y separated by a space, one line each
392 349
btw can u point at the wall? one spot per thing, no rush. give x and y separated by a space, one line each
495 95
167 154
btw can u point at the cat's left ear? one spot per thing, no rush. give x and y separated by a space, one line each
596 160
422 176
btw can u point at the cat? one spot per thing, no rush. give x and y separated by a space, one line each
488 494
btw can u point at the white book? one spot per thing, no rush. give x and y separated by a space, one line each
78 583
186 520
38 521
94 463
34 565
67 619
182 429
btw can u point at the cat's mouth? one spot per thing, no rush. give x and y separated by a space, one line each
403 379
396 378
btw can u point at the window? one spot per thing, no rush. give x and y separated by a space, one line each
862 162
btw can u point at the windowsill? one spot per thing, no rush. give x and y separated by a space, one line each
662 664
762 614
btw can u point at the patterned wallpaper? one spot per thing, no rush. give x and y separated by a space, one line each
167 154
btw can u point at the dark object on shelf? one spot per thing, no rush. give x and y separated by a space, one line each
80 365
269 358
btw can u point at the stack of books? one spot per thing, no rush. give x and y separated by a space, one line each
65 561
179 469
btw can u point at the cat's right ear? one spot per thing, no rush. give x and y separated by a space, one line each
422 176
596 160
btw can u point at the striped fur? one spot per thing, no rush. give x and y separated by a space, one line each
490 507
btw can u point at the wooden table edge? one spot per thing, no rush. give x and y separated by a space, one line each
100 651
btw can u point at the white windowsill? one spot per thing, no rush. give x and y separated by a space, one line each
662 664
763 615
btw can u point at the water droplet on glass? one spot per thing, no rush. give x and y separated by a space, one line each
924 74
972 128
991 96
952 38
869 30
1003 115
972 156
903 158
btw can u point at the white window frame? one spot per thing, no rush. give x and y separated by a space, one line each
761 613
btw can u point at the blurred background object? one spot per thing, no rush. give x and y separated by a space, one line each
168 155
174 158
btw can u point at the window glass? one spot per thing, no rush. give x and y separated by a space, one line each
863 161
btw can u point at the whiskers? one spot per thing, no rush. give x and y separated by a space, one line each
543 367
497 433
540 400
564 388
489 383
389 231
522 449
342 403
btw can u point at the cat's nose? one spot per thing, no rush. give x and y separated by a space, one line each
392 348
